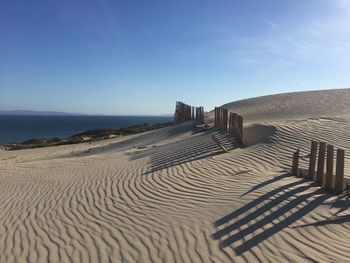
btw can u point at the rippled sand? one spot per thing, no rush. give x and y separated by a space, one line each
173 195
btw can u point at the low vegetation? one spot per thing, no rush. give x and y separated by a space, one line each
87 136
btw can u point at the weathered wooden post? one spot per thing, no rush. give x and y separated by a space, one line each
194 114
202 114
175 114
186 116
198 119
228 120
222 118
221 125
219 144
230 123
178 112
199 115
320 164
329 168
240 126
312 160
182 117
225 119
235 124
217 117
295 165
183 112
191 112
339 176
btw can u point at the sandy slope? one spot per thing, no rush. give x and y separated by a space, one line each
172 195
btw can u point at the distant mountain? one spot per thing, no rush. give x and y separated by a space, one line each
31 112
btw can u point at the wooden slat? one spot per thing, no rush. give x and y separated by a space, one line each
199 115
320 164
235 124
230 123
218 117
238 133
240 126
219 143
215 117
312 161
295 164
221 118
202 115
225 119
339 177
329 168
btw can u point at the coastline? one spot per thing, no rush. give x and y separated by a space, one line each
19 128
84 137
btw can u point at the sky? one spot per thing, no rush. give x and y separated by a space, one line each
139 57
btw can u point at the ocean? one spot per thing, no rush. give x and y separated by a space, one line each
17 128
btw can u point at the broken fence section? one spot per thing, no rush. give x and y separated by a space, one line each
184 112
232 123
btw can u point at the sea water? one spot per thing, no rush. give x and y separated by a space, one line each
17 128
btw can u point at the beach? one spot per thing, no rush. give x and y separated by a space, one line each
173 195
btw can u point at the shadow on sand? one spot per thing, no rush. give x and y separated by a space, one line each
263 217
141 140
342 203
196 147
336 220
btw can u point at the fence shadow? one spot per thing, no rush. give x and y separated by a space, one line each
280 207
265 183
143 140
336 220
342 203
190 149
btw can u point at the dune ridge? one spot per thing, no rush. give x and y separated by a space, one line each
172 195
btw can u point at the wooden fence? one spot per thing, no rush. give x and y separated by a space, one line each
232 123
184 112
200 115
333 183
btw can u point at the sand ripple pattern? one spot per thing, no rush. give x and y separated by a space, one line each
171 195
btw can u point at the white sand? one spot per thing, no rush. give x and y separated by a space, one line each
172 195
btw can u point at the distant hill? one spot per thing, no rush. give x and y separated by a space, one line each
30 112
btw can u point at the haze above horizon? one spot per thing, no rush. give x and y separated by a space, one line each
129 57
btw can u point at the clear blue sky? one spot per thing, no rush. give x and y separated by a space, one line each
139 57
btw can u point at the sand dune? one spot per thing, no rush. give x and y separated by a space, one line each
172 195
296 105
